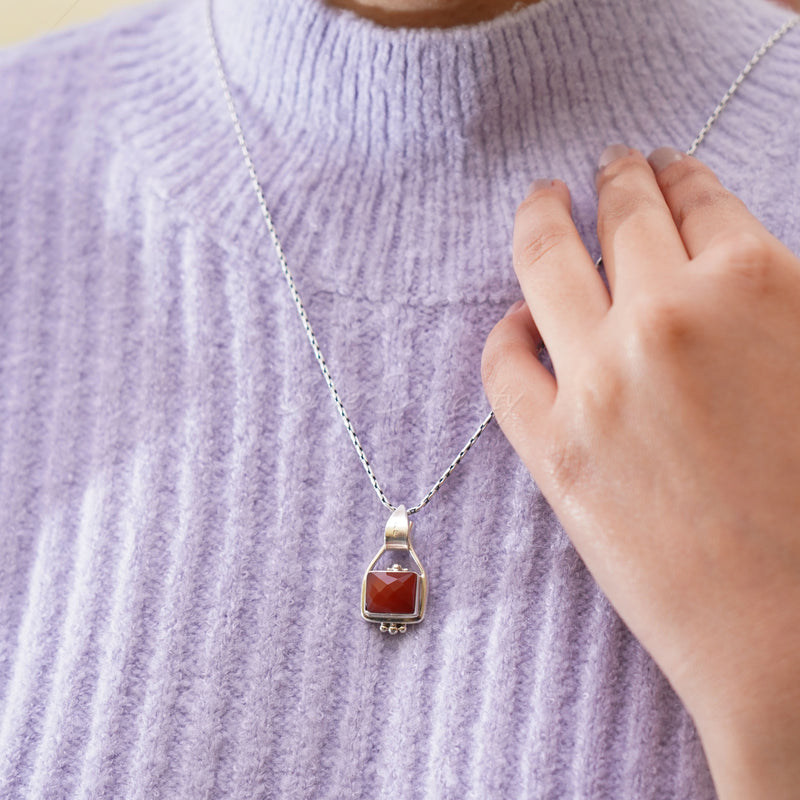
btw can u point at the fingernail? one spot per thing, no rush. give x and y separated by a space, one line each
540 183
514 307
612 153
663 157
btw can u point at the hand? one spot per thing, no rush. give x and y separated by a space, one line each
668 442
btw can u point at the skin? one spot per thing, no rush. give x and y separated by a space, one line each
429 13
443 13
668 441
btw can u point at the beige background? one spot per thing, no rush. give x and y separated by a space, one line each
24 19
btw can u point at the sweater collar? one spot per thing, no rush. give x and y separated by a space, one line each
302 67
328 99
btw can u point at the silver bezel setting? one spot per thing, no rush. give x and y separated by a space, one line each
397 537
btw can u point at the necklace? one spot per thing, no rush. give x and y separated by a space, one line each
395 597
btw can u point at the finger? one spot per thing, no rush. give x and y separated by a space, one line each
520 389
703 210
637 233
565 293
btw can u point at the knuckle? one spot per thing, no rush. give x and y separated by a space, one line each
747 260
619 204
700 199
594 401
595 398
539 228
600 391
659 325
694 189
565 461
538 244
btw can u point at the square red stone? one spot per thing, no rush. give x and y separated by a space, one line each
391 592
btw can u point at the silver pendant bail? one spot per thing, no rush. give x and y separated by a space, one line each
395 597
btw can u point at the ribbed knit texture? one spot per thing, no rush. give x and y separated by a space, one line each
185 524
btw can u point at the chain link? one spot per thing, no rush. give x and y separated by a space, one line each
785 28
734 87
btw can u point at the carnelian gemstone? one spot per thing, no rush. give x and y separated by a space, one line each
391 592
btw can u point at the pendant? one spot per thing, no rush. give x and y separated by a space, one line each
395 597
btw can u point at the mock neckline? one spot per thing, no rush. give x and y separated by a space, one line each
304 67
429 123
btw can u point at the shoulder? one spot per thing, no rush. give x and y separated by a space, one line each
78 109
70 86
59 65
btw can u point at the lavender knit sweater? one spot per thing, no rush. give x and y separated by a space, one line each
184 521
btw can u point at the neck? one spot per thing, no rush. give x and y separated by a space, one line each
429 13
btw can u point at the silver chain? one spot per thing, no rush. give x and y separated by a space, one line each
726 98
785 28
